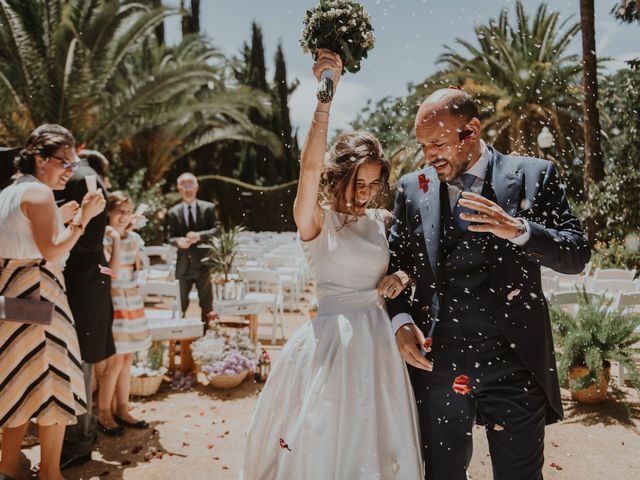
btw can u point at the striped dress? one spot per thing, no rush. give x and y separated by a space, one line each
41 376
130 327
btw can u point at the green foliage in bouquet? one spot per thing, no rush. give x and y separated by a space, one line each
222 251
343 27
594 335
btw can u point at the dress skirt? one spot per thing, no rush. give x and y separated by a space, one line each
130 326
340 399
41 376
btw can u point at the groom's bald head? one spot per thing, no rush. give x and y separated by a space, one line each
447 101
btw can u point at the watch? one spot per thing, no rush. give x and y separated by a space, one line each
522 227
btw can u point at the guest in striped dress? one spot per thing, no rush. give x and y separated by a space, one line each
41 376
130 327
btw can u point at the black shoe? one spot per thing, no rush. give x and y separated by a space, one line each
111 432
5 477
75 461
140 424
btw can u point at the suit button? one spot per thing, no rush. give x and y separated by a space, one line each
449 264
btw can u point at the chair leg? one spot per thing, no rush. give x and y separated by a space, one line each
273 326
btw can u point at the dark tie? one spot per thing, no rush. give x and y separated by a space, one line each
192 220
465 181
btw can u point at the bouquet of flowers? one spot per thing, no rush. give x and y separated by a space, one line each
151 364
342 26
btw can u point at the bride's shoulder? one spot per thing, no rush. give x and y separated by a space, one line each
382 215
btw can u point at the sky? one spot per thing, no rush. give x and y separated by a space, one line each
410 35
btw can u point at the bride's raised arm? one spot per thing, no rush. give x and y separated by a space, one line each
306 208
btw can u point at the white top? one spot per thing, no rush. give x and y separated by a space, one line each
348 261
16 237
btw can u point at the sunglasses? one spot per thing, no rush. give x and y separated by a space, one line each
66 164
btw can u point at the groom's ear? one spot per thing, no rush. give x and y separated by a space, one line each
470 130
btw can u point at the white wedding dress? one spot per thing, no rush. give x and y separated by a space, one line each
339 395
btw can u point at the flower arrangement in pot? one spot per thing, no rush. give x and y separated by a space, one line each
588 340
148 372
221 254
225 361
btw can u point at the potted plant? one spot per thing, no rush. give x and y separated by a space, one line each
221 254
147 373
588 340
224 361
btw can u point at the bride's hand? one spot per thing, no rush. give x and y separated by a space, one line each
392 285
327 60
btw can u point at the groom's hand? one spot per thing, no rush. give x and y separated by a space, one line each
490 217
409 338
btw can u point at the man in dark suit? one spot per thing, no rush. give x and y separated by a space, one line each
191 222
89 294
473 228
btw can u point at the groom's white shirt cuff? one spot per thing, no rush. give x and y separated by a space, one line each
524 238
399 320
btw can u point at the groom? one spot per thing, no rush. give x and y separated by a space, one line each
473 229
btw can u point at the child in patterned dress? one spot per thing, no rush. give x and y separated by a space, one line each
130 327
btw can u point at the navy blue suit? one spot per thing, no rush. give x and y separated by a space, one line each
495 295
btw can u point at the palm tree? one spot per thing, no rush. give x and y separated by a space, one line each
96 68
215 112
593 161
522 77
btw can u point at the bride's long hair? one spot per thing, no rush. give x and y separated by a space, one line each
349 151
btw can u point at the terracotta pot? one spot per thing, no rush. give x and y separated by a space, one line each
597 392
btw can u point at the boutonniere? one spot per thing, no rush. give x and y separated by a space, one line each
423 182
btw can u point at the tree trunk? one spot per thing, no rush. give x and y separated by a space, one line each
159 31
593 163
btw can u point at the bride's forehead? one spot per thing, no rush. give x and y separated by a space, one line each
368 171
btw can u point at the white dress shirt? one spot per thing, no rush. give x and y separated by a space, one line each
479 169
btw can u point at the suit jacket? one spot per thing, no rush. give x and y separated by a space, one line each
205 216
525 187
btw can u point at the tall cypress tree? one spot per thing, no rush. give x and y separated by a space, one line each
191 20
282 121
256 164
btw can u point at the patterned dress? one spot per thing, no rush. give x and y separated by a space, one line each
41 375
130 327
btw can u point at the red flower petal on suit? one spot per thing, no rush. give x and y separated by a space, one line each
423 181
461 385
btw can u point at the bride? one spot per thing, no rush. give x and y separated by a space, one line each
338 403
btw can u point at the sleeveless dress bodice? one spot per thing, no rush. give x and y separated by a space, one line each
348 261
16 238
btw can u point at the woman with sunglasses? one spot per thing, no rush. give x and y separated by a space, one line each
40 377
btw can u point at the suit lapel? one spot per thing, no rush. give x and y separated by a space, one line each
506 182
429 203
197 213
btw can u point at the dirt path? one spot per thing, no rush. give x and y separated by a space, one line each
199 435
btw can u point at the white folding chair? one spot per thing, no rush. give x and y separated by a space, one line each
630 302
264 286
613 274
291 274
165 289
569 300
550 284
613 287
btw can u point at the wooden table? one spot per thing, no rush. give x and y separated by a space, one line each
248 310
